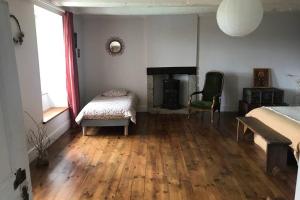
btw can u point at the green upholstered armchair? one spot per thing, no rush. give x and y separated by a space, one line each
211 95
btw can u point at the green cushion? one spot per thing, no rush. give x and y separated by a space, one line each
201 104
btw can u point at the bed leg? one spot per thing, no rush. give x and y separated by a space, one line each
126 130
84 131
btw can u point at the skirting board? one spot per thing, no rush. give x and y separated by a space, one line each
142 108
53 137
225 108
229 108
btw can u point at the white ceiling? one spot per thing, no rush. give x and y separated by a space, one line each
156 7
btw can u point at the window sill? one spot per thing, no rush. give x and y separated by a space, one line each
51 113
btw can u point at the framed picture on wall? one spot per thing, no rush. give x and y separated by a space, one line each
261 77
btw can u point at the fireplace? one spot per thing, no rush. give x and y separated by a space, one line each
168 89
171 93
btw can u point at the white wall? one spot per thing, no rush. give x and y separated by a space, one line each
165 41
171 40
28 69
152 41
103 71
275 45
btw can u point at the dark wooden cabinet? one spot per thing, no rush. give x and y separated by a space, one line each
263 96
257 97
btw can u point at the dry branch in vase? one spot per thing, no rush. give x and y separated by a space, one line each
39 140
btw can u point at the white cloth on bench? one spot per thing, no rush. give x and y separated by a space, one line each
282 120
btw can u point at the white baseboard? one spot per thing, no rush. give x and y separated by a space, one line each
142 108
229 108
224 108
52 137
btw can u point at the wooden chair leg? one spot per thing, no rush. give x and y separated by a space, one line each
84 131
238 131
126 130
212 116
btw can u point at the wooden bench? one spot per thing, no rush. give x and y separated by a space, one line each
277 144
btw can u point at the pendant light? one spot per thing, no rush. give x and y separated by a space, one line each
239 18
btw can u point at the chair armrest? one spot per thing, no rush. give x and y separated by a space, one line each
194 93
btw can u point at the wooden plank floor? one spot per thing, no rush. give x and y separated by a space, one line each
164 157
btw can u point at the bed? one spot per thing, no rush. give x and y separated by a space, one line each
285 120
108 111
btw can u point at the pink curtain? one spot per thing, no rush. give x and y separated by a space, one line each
71 67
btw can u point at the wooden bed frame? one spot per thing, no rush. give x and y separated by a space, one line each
101 123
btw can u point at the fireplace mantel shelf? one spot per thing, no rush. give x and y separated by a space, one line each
171 70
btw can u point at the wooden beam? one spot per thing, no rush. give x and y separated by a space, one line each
268 4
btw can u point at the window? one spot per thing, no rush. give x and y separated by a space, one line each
52 64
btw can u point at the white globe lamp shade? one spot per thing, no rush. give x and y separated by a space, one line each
239 18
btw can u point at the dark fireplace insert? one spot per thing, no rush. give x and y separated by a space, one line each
171 86
171 93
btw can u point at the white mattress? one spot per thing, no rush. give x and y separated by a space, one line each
291 112
107 108
285 120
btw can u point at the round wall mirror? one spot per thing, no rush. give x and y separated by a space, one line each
115 46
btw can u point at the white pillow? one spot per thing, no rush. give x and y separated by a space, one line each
115 93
